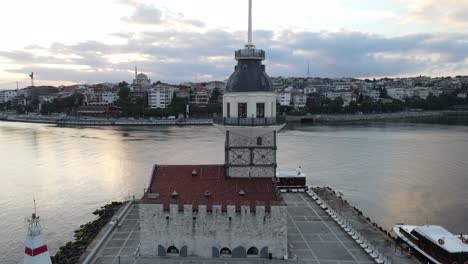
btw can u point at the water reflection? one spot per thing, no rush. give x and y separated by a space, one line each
407 172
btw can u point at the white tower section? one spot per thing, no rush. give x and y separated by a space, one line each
35 247
249 115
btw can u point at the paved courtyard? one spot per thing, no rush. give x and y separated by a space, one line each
316 238
313 237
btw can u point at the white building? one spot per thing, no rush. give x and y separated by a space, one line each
310 90
347 96
160 96
374 94
284 98
422 92
399 93
106 97
340 86
6 96
299 100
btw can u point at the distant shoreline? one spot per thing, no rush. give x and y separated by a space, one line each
334 118
71 121
324 118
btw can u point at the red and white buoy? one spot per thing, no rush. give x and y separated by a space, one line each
35 247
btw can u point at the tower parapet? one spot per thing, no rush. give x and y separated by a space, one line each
249 54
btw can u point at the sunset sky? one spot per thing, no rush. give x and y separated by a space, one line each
90 41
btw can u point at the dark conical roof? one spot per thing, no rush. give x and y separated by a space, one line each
249 75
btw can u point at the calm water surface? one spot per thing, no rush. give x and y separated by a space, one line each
413 173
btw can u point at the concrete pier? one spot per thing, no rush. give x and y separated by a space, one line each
381 239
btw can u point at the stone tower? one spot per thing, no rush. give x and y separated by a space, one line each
249 116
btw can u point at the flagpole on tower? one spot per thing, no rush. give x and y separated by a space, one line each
250 25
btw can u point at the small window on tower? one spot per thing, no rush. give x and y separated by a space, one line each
259 141
242 110
260 110
228 110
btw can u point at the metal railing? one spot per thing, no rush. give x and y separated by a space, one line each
249 54
369 247
250 121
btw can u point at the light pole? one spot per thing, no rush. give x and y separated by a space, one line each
340 194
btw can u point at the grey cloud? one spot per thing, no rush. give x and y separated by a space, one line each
151 15
194 22
462 15
352 54
145 14
450 13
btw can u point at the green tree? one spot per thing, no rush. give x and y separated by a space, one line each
336 106
352 107
215 96
178 105
124 93
383 93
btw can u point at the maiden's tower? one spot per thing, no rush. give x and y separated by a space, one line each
224 210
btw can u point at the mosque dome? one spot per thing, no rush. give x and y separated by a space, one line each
142 76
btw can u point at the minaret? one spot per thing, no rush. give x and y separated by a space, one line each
136 76
35 247
249 115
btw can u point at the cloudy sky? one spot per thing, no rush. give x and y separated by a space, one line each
90 41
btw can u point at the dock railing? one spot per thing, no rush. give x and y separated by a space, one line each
90 257
250 121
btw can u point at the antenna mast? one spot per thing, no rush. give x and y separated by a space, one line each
136 73
250 25
32 78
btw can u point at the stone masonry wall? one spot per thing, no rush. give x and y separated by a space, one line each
247 156
202 233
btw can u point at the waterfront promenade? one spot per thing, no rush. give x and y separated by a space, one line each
326 118
95 121
339 118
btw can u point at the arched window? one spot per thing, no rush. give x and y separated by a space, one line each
172 251
252 252
225 252
259 141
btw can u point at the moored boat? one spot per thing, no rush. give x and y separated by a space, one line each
435 243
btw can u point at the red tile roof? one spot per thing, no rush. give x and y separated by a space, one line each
210 178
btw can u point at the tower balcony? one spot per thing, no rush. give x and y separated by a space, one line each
250 121
250 54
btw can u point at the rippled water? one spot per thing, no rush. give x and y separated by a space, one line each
413 173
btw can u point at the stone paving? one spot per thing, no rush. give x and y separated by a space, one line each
313 236
364 227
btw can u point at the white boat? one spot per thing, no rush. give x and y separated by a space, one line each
435 243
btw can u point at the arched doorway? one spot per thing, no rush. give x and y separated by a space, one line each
172 251
252 252
225 252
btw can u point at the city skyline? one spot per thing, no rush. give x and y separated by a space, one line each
177 41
